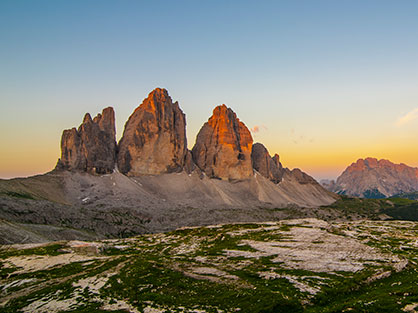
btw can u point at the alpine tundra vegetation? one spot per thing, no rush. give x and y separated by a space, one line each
301 265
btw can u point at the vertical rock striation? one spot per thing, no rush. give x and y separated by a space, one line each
262 162
91 148
223 146
154 139
272 169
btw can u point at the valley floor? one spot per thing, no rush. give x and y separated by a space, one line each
297 265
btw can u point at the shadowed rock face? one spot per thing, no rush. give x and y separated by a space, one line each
272 169
223 146
154 139
269 167
91 148
189 165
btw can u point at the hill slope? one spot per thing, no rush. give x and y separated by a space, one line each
117 205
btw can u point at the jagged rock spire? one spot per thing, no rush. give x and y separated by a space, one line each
154 139
91 148
267 166
223 146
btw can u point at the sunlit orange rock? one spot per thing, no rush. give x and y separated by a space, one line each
223 146
154 139
373 178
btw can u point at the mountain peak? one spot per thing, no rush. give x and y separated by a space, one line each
371 177
91 148
158 93
371 162
156 100
223 146
154 139
266 165
223 112
87 118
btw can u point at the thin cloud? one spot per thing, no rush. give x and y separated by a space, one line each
408 117
257 128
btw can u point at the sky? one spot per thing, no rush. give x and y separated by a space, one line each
321 83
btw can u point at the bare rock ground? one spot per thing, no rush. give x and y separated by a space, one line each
298 261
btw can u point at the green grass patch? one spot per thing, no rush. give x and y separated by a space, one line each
397 208
51 249
146 280
20 195
386 295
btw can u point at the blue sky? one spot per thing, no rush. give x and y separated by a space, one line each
325 81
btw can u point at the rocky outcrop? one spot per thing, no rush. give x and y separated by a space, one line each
223 146
189 165
154 139
272 169
328 184
372 178
91 148
276 159
301 177
262 162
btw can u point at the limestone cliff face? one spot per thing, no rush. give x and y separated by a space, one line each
154 142
91 148
269 167
154 139
223 146
372 178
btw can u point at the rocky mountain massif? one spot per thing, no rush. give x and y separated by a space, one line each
151 182
154 142
372 178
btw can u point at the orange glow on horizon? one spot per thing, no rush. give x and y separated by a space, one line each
326 157
316 161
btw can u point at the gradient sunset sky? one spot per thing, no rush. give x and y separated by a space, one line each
323 82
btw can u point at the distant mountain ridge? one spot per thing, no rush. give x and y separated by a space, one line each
373 178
